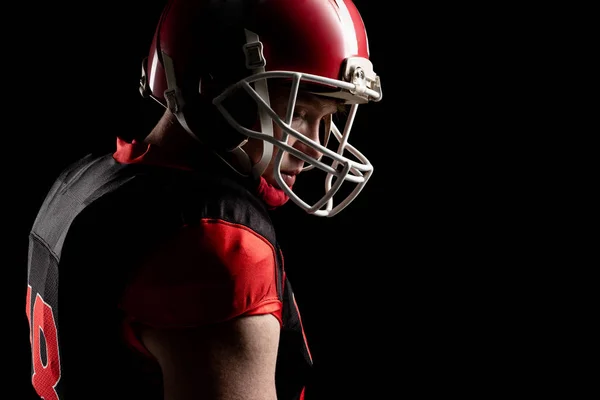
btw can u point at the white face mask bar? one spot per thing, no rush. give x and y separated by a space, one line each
351 171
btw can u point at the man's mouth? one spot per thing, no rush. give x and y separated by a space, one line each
289 179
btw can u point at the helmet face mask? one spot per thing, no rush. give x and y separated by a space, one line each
344 163
328 57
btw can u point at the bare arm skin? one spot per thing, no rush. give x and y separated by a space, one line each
234 360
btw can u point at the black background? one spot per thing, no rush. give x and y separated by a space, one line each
401 292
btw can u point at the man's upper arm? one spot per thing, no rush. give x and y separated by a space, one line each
232 360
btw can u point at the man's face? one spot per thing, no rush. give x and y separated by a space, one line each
310 114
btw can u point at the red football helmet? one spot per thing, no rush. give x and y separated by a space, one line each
205 51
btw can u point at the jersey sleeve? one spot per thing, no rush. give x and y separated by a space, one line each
205 274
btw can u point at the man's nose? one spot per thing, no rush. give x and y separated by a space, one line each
311 132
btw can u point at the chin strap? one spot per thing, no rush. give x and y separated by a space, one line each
255 61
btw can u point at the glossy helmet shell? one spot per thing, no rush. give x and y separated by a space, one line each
204 39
